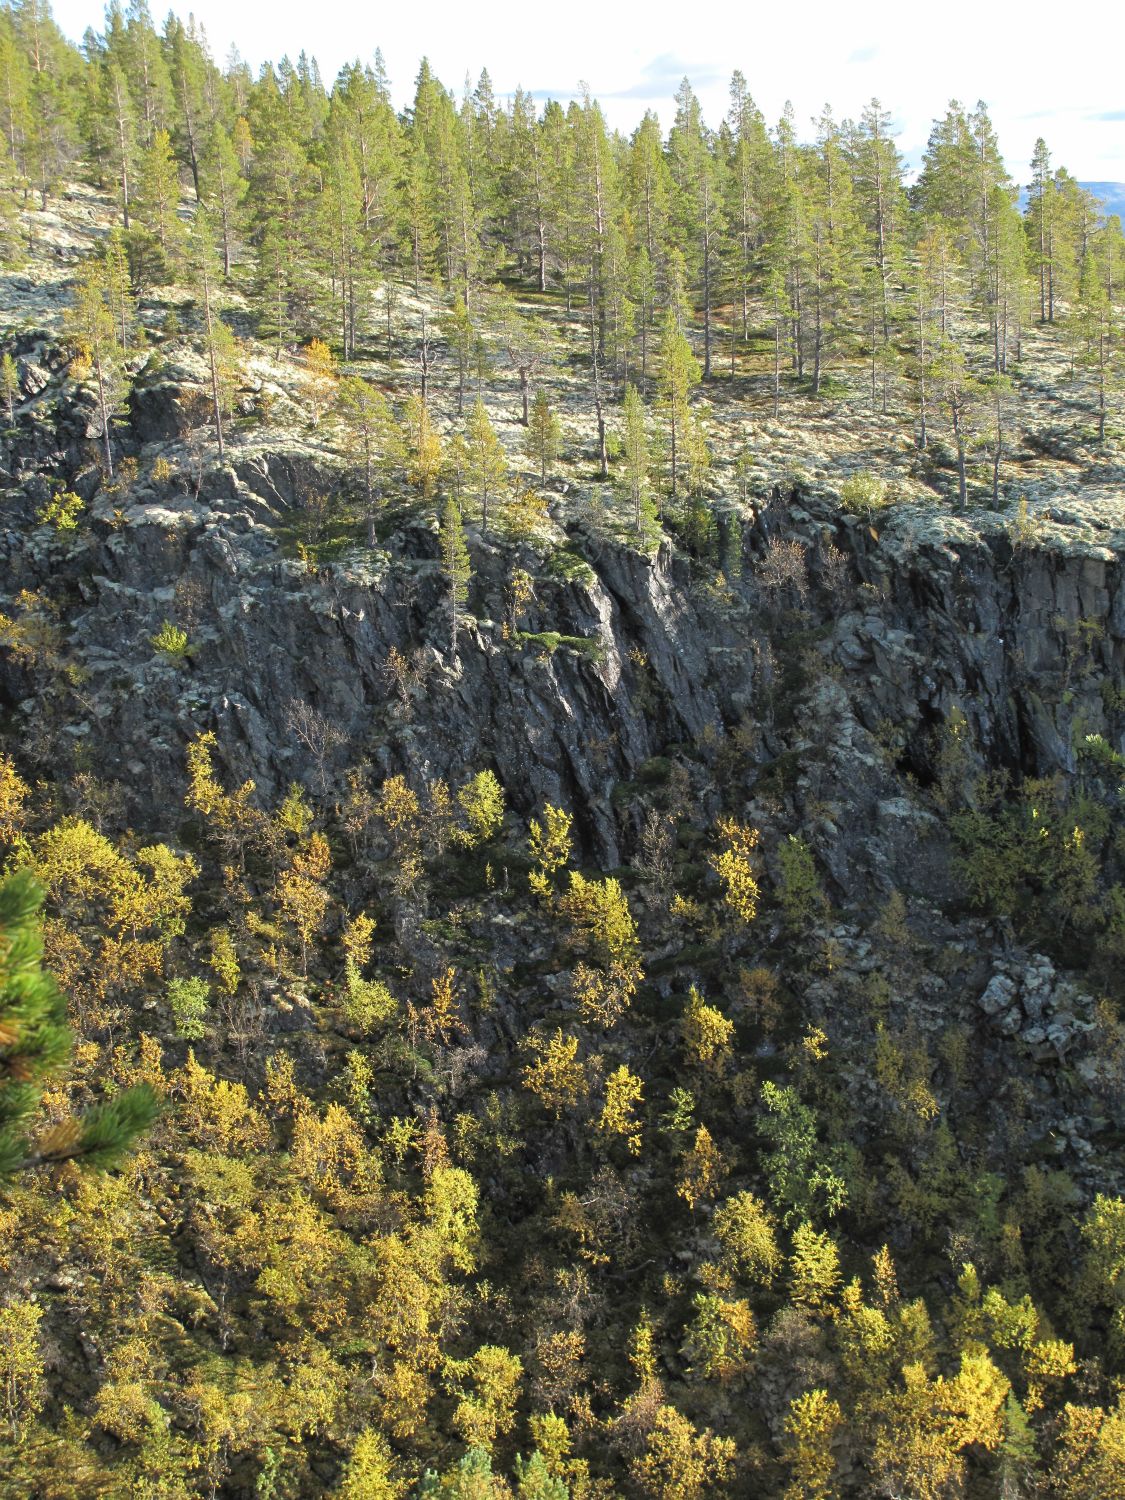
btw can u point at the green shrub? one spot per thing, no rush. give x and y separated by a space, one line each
799 891
171 641
1033 857
864 493
62 511
367 1003
549 641
188 999
1024 529
481 800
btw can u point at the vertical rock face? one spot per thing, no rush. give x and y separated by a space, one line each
838 654
631 657
559 719
1020 639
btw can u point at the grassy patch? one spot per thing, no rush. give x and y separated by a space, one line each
549 641
570 566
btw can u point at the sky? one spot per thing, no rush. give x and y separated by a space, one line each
1045 76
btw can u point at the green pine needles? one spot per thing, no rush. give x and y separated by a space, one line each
35 1043
456 567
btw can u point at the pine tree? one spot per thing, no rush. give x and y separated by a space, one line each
638 463
679 374
945 186
157 200
561 173
283 189
487 466
50 92
346 249
35 1042
696 169
881 206
122 135
9 386
544 435
523 343
419 234
225 189
833 242
1097 331
11 251
781 316
361 113
93 332
787 251
14 99
456 567
649 188
596 209
999 394
529 189
1041 227
370 435
219 342
150 83
119 287
959 392
925 325
271 292
189 67
459 330
748 174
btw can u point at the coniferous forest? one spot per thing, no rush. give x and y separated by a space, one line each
562 749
